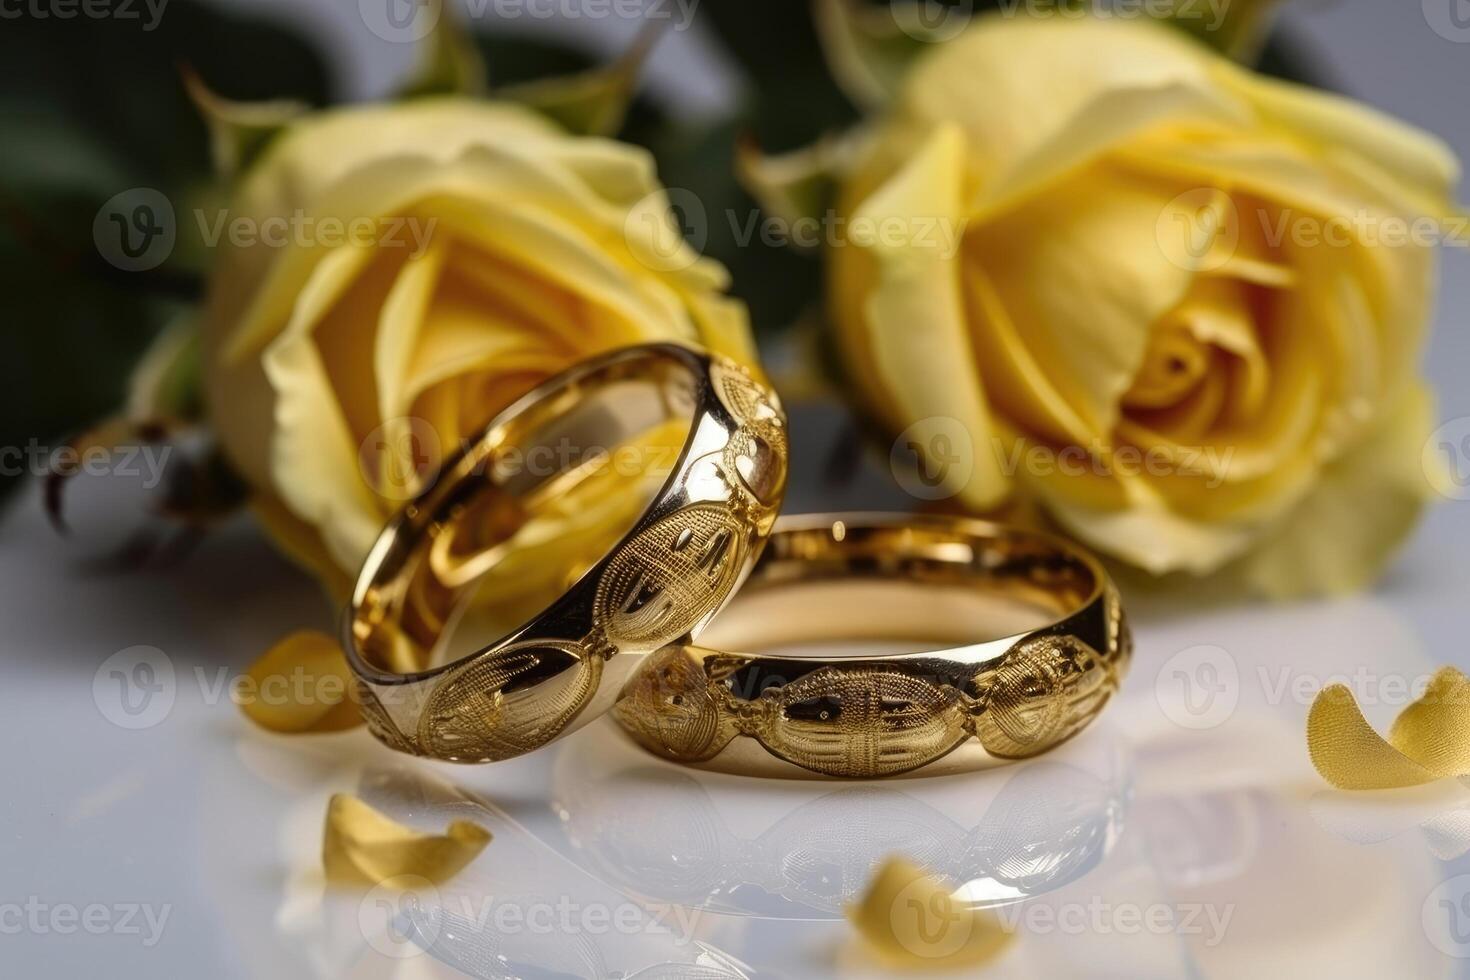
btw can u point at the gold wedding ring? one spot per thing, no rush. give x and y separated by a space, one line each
1024 642
656 582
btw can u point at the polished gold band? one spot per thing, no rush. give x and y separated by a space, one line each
660 582
1052 647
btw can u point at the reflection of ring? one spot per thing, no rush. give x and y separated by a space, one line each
675 835
659 582
832 579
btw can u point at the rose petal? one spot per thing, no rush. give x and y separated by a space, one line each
1429 740
1435 729
363 847
1081 269
1105 82
1416 167
1331 541
912 920
914 319
302 684
1348 753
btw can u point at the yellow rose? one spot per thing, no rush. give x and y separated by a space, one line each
389 277
1177 304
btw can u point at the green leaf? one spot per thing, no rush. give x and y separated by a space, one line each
89 109
793 99
594 102
776 282
1239 29
452 63
239 132
870 49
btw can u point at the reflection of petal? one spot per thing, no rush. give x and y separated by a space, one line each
1372 816
911 919
362 845
1441 810
1448 834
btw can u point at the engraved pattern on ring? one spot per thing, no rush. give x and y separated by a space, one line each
676 572
1042 692
861 721
472 717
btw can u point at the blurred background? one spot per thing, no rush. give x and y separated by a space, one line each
93 106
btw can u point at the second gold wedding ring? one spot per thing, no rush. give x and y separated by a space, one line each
1018 642
655 582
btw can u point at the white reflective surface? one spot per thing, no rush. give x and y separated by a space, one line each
1185 834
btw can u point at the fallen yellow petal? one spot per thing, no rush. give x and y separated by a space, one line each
912 920
1349 753
1435 729
302 684
362 846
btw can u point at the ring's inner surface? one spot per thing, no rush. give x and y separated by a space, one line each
523 514
879 591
